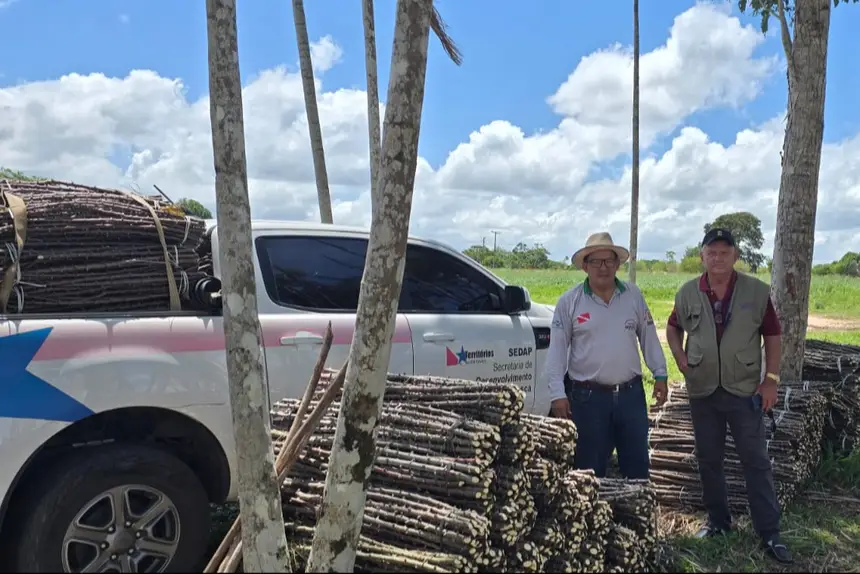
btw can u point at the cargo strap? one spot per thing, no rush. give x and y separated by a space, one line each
175 303
18 211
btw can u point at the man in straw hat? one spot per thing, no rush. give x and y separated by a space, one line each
593 365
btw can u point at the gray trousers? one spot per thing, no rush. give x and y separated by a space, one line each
710 417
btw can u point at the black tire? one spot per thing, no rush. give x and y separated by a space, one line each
70 484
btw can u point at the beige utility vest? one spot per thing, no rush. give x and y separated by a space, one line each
736 362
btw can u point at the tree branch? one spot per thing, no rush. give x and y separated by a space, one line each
787 45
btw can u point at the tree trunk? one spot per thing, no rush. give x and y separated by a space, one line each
634 172
263 539
342 511
372 97
312 111
798 186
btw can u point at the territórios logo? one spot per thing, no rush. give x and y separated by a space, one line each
464 357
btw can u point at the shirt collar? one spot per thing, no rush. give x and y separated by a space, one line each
619 285
703 281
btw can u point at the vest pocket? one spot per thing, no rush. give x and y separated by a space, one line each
694 318
697 375
748 368
694 357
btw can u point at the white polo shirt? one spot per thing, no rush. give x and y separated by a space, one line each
592 340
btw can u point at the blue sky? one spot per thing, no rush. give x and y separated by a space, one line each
513 58
537 189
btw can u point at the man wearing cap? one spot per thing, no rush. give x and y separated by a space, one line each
593 366
725 315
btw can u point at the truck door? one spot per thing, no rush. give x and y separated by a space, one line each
311 279
459 328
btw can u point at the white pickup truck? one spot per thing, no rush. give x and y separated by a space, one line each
115 430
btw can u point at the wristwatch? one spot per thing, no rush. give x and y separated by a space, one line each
772 376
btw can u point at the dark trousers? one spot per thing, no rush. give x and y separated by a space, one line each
746 422
607 420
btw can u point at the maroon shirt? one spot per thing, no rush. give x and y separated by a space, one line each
770 326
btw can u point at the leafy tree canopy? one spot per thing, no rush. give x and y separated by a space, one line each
520 257
194 207
15 175
848 265
770 8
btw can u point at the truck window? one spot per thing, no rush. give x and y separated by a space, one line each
318 273
435 282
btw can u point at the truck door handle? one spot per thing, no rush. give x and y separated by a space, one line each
434 337
299 339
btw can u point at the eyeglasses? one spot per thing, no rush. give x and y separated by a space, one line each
598 263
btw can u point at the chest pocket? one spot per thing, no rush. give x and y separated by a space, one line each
693 318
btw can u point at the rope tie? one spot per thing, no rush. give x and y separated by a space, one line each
187 229
449 432
17 283
17 210
175 303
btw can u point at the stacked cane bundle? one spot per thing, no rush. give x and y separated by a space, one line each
419 449
632 540
462 482
834 370
794 449
72 248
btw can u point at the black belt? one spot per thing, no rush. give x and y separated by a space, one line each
570 384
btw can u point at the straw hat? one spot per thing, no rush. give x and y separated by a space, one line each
597 242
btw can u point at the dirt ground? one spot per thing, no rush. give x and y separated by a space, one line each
818 323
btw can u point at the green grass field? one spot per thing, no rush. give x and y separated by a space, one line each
822 528
834 301
830 296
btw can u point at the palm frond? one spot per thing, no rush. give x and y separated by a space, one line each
440 28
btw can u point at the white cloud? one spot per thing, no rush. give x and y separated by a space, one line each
706 61
325 54
532 187
124 18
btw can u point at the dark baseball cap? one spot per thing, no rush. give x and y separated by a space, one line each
718 234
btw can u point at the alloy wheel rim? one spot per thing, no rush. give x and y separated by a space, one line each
128 528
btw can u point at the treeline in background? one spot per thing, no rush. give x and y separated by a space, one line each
745 226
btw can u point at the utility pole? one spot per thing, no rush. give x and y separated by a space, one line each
495 235
484 242
634 172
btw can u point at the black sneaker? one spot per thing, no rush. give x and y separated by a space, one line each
776 550
710 531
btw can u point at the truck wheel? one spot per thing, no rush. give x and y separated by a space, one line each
116 508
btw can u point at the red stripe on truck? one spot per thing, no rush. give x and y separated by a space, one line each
75 338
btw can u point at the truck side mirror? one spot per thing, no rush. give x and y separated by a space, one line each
517 299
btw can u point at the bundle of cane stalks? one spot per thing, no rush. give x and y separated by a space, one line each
450 472
374 555
633 540
794 447
834 371
462 481
74 248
